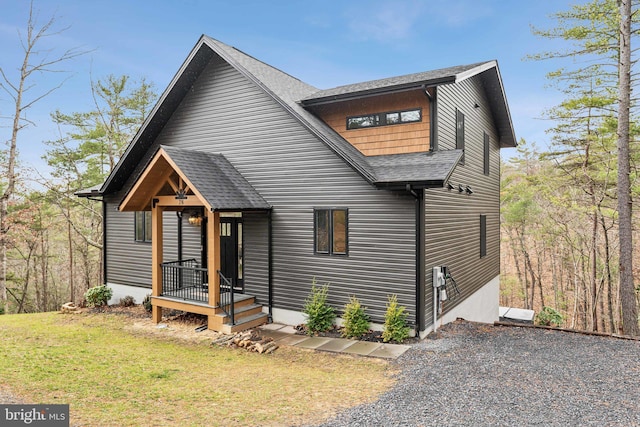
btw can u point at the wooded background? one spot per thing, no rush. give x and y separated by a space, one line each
563 205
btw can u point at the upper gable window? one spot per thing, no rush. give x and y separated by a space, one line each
460 133
487 151
384 119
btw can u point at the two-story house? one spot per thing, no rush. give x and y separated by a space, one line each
246 179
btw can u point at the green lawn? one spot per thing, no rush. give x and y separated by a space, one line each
111 374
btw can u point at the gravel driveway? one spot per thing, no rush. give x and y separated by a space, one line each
482 375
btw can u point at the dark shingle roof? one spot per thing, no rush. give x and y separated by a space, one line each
288 91
430 169
293 94
444 75
221 185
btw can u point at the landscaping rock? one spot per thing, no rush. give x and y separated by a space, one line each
69 307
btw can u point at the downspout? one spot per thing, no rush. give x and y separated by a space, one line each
104 242
270 264
420 259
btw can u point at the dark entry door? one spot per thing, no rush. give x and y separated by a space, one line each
231 251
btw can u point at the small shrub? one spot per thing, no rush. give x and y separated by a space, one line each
395 321
549 317
356 321
98 295
127 301
320 315
146 303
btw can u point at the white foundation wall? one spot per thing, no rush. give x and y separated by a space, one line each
121 291
482 306
294 318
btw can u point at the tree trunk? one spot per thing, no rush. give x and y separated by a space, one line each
625 230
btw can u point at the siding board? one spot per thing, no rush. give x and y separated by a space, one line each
452 218
295 172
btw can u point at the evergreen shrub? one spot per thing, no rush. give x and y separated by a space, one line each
356 321
395 321
320 315
98 295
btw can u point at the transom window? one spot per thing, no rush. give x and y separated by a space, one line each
384 119
331 231
143 226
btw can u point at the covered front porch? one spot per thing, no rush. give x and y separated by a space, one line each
212 194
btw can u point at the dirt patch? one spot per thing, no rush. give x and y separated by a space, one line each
134 312
188 327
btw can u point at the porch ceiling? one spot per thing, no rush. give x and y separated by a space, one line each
217 185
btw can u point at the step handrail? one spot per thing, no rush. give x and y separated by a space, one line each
228 300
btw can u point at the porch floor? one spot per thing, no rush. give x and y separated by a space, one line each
193 295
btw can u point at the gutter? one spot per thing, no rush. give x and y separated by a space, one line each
104 242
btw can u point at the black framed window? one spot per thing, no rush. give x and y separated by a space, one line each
143 226
460 132
483 236
486 153
331 231
384 119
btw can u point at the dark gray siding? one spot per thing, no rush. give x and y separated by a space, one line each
452 219
256 256
295 172
128 261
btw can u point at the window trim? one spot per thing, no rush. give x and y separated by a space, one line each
460 131
382 118
483 235
330 231
146 227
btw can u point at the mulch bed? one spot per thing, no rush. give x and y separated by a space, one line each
336 332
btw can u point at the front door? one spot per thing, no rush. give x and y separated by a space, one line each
231 251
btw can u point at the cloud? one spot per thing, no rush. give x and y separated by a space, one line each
457 13
384 21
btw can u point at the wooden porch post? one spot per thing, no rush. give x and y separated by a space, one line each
213 260
213 256
156 258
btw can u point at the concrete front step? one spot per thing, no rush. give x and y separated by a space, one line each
245 323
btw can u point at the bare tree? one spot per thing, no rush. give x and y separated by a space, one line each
35 62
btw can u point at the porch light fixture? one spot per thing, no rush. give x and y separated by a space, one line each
195 219
469 190
450 186
460 188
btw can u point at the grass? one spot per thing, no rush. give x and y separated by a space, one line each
113 375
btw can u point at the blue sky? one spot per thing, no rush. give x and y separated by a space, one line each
324 43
